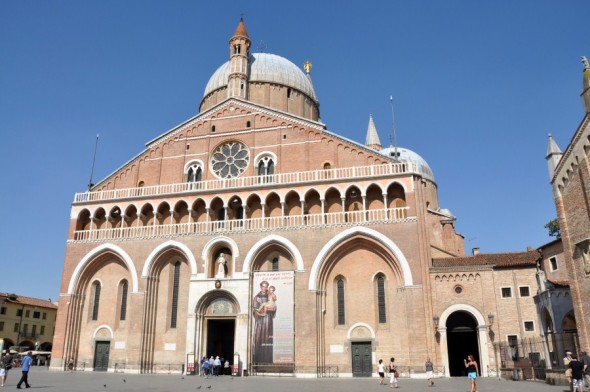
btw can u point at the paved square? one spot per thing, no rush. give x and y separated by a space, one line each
42 379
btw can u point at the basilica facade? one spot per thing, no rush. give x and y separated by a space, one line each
254 233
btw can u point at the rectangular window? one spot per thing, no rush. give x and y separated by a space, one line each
506 292
3 310
34 331
36 314
25 328
44 315
512 340
1 325
525 291
27 313
529 326
16 327
42 331
553 262
19 312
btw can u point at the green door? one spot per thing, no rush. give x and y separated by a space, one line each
101 356
361 359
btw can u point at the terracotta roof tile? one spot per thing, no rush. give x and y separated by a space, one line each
42 303
503 260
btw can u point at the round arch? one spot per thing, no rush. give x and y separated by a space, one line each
353 231
481 332
362 325
96 252
169 245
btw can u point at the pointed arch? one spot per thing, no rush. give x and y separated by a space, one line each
165 246
366 232
273 238
96 252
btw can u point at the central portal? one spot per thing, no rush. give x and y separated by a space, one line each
220 339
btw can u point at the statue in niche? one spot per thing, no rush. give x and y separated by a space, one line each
221 266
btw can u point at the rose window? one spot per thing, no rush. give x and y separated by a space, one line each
230 160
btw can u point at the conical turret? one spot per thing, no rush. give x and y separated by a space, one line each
372 140
553 156
239 52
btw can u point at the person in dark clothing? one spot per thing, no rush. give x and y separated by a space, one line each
472 371
577 373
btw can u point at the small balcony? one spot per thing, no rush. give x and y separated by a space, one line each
296 222
279 180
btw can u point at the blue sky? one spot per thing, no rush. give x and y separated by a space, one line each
477 87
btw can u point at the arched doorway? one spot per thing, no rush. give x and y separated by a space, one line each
462 331
218 322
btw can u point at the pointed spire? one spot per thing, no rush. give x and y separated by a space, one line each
586 85
372 140
553 156
239 57
241 29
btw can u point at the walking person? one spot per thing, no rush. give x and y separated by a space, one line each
393 373
472 371
429 371
5 366
381 371
24 367
577 368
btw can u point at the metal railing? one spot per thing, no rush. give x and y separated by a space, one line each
252 181
399 214
287 369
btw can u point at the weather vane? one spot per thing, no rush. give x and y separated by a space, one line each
262 46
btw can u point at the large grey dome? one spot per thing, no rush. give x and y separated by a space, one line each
266 67
405 155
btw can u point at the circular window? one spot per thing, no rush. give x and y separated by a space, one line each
230 160
458 289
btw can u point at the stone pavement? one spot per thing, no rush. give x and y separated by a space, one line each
42 379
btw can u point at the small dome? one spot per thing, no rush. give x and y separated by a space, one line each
266 67
406 155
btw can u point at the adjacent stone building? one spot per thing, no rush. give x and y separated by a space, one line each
26 322
254 233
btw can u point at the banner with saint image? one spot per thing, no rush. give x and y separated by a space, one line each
272 312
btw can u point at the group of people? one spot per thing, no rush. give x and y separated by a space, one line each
392 370
212 367
7 363
577 370
470 365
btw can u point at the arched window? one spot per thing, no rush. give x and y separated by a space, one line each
266 166
96 302
194 173
340 301
275 264
175 288
381 299
123 308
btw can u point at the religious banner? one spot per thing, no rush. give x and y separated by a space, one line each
272 310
